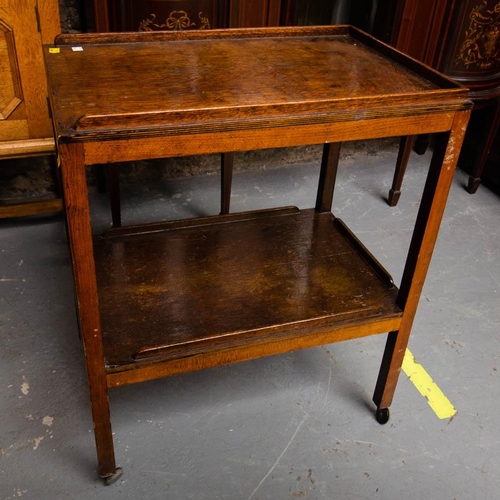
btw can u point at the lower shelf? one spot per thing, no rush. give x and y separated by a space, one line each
205 292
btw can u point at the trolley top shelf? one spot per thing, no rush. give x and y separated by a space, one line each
142 84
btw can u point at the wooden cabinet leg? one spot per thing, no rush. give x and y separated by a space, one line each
114 193
227 162
429 217
82 255
327 176
405 148
484 149
100 177
422 142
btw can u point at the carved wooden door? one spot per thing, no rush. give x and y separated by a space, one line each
24 26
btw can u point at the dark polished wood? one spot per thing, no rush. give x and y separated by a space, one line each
153 299
418 30
275 294
254 13
232 101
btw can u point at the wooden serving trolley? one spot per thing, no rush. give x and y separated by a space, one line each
172 297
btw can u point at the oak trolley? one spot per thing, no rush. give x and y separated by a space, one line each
172 297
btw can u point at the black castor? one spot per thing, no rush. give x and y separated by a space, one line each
382 415
114 477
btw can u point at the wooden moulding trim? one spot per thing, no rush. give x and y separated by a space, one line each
8 110
154 227
382 273
245 140
17 97
485 94
30 147
405 60
110 127
152 371
233 33
228 341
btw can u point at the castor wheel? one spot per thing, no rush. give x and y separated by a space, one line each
382 415
113 477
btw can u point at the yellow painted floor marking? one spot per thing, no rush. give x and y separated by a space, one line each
427 387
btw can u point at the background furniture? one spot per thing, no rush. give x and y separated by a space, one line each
461 39
491 172
263 282
25 124
133 15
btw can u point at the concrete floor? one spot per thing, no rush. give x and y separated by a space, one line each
298 425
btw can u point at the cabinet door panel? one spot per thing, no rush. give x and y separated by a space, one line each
23 89
12 130
11 94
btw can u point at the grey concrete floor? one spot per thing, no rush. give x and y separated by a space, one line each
298 425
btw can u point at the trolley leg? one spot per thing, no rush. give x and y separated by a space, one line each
429 217
80 239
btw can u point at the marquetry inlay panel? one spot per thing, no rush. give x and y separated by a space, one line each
475 52
177 20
